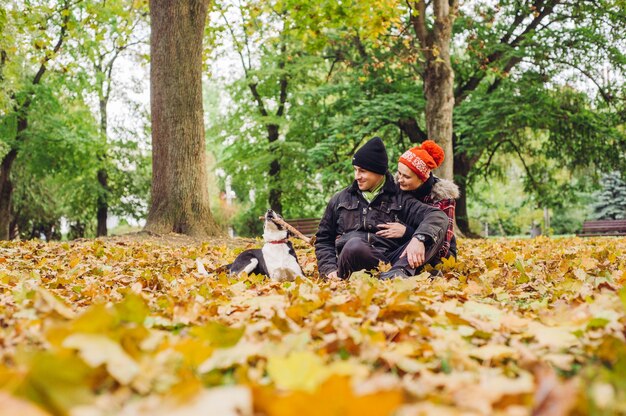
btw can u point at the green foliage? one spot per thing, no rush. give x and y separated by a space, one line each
261 131
545 97
610 201
501 200
62 149
55 156
528 103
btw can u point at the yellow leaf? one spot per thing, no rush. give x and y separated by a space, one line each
589 263
74 262
60 307
509 256
217 334
448 263
228 357
132 309
193 351
303 371
96 350
555 338
57 380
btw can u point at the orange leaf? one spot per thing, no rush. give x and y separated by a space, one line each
333 397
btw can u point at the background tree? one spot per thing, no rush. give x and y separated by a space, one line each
277 65
507 53
434 34
259 32
180 200
610 201
47 29
54 170
108 30
516 49
268 138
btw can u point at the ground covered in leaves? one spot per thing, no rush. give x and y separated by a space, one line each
514 327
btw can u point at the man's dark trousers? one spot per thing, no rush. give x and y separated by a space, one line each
358 254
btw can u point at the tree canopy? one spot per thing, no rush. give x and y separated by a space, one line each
298 86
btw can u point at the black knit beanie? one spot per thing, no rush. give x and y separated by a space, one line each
372 156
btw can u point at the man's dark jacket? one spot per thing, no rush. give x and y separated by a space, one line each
349 215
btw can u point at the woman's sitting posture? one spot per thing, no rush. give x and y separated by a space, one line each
415 178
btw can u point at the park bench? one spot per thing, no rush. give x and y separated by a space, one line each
307 226
603 227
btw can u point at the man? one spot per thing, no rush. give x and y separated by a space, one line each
346 240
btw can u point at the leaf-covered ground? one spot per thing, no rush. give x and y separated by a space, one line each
103 327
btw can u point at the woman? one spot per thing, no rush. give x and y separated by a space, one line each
415 177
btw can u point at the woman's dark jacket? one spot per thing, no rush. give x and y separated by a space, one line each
349 215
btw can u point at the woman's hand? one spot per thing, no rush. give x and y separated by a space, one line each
391 230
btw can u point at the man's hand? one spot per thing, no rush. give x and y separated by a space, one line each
415 252
391 230
332 275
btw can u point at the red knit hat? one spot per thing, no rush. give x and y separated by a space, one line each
422 159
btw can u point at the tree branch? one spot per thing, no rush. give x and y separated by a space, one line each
22 118
605 95
519 18
493 152
332 67
360 47
521 158
462 91
57 47
419 22
534 23
238 45
412 129
283 81
258 99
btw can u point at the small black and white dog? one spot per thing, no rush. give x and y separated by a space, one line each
276 259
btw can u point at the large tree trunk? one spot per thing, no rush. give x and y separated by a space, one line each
6 193
439 78
180 199
439 89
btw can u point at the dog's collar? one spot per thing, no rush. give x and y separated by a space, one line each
283 241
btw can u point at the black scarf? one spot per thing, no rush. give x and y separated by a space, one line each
424 190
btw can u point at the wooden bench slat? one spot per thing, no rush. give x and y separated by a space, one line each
307 226
605 222
603 227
